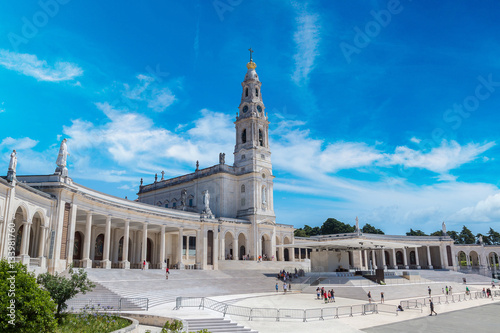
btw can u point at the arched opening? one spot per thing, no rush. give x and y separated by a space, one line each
19 218
278 257
165 204
228 242
210 247
149 250
246 92
413 258
387 258
120 249
493 260
35 236
242 241
286 254
19 239
77 246
261 138
474 259
242 188
399 258
99 247
462 258
266 247
256 92
244 136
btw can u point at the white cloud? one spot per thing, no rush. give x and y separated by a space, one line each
448 156
30 65
146 90
486 210
18 144
306 38
134 142
415 140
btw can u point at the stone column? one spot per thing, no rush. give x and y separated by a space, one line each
405 259
199 247
25 242
106 263
86 261
125 263
384 263
71 234
282 253
374 261
41 246
144 246
394 262
494 262
444 256
429 259
467 256
366 259
204 256
236 251
222 247
216 249
162 247
179 248
417 261
292 253
273 241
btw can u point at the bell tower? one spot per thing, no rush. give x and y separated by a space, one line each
252 155
251 152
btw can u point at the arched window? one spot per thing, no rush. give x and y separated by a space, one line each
246 92
191 202
242 188
244 136
261 138
256 92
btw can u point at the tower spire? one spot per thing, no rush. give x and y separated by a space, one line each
251 51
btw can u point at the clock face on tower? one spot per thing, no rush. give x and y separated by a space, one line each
245 108
259 108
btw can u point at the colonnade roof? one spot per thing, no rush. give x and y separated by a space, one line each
357 243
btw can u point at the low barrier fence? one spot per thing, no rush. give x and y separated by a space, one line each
279 314
110 304
418 303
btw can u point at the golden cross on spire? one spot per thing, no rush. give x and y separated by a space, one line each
251 51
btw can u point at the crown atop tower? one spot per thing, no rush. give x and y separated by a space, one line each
251 73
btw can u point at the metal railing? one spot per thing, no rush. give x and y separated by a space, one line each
110 304
279 314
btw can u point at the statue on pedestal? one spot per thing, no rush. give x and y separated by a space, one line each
61 159
222 158
206 203
357 226
11 172
183 198
443 227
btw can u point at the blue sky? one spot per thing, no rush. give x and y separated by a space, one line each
383 110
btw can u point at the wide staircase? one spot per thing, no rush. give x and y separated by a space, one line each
152 284
216 325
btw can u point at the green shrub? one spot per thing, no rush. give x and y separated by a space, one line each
32 309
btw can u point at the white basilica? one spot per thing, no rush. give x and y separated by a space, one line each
221 214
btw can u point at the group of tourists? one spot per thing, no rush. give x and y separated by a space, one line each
286 276
447 290
286 287
487 293
327 295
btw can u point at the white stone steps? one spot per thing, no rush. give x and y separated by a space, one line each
216 325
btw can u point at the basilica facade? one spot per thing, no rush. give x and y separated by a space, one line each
224 212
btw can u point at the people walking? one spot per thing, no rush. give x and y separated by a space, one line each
429 290
431 306
369 296
381 297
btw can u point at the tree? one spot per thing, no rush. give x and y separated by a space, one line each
334 226
486 239
453 235
369 229
466 236
416 233
300 233
23 302
436 233
494 237
62 289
